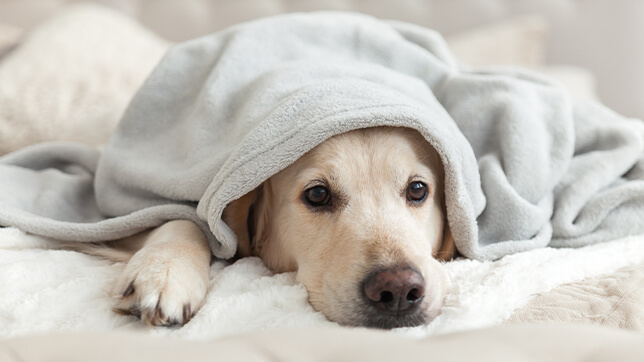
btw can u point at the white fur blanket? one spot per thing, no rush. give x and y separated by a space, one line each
52 290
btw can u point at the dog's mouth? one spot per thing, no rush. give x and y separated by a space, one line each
371 317
389 298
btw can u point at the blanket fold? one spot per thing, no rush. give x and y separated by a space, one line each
524 166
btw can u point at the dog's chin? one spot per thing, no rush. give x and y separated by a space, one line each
356 312
372 318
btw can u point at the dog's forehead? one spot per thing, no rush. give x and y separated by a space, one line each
384 153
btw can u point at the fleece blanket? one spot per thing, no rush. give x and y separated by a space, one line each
46 290
220 114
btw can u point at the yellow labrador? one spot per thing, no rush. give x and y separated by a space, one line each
360 218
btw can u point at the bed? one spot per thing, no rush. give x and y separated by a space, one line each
97 58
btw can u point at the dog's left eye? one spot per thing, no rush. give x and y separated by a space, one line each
416 191
317 196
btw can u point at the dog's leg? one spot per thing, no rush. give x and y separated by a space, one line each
165 282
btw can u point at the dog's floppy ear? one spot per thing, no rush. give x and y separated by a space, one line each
248 217
447 250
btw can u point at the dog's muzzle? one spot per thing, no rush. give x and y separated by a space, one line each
393 298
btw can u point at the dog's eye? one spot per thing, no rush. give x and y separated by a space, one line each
317 196
416 191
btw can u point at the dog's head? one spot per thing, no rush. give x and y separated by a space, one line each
361 219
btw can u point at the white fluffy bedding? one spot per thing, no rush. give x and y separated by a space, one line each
46 290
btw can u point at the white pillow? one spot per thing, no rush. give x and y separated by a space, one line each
72 76
8 37
520 42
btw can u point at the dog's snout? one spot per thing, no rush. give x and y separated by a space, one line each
396 289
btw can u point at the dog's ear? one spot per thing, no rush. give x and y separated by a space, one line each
447 250
248 217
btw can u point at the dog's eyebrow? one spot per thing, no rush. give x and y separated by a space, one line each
328 180
416 177
316 182
333 178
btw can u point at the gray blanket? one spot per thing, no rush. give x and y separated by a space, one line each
525 167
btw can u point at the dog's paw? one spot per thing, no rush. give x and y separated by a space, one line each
163 284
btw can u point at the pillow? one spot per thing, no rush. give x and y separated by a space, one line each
72 76
520 41
581 82
9 36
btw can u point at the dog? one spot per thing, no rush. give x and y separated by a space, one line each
360 218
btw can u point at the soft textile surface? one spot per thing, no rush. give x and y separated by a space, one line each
98 69
616 300
52 290
520 41
558 342
71 77
222 113
8 38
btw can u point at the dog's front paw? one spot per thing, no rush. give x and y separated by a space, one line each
163 284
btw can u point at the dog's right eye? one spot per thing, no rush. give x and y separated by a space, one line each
416 192
317 196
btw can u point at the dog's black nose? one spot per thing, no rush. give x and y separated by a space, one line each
396 289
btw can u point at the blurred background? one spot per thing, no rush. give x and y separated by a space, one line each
596 47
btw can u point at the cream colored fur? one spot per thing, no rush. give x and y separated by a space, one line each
372 226
165 281
332 252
